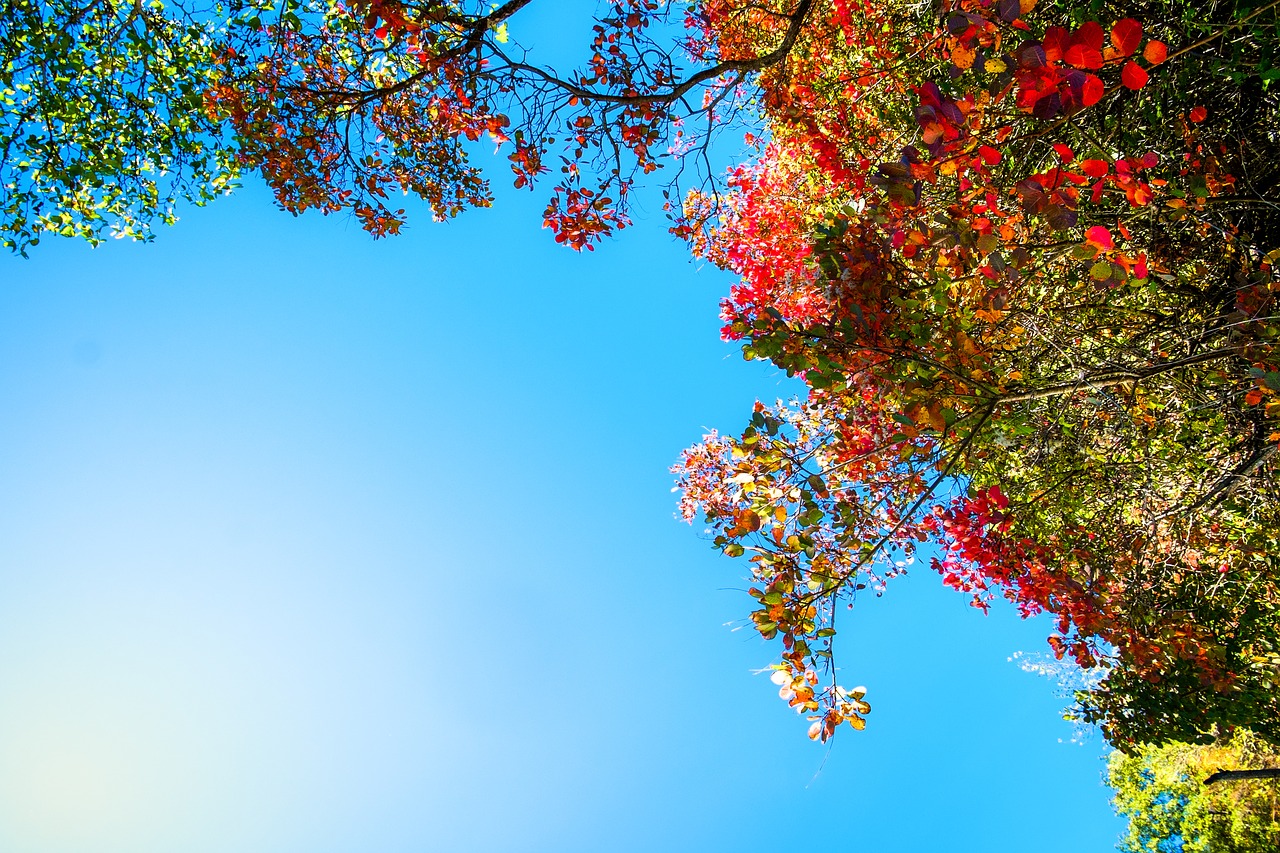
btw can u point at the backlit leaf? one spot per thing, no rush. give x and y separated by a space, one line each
1133 75
1126 35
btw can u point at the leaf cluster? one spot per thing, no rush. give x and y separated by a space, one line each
1049 262
102 129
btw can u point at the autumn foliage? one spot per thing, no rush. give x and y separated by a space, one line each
1019 258
1021 255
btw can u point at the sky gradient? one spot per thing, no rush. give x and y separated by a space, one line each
310 543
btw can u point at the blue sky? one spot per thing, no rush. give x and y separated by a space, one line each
310 543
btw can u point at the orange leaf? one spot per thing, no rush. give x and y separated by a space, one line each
1133 76
1095 168
1139 194
1155 52
1198 114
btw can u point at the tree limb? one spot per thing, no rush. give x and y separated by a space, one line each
1234 775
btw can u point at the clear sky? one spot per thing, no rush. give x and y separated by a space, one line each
311 544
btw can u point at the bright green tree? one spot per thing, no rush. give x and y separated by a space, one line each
102 122
1171 809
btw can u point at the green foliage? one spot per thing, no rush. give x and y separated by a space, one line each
1160 790
102 127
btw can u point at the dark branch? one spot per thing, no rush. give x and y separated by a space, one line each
1235 775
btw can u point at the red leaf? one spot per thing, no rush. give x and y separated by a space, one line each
1199 114
1155 52
1055 43
1089 35
1083 56
1139 194
1126 35
1064 152
1140 268
1092 91
989 155
1095 168
1133 76
1100 237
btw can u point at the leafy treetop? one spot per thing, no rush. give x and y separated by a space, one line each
1024 271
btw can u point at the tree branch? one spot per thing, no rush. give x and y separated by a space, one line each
678 91
1105 378
1234 775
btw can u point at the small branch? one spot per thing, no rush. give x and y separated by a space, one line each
1233 477
1116 377
1220 33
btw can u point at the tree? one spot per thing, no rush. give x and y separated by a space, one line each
339 105
102 130
1024 272
1023 258
1172 805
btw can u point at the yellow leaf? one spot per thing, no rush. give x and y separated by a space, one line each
962 56
936 419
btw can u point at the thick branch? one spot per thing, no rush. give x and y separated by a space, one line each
1233 477
678 91
1235 775
1105 378
477 29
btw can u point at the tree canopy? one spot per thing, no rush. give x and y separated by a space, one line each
340 106
103 129
1022 255
1162 790
1019 256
